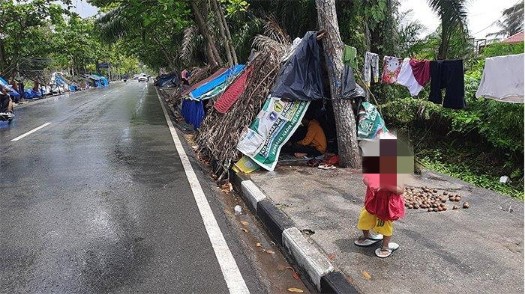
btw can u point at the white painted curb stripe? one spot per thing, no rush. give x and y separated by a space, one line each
30 132
230 271
306 255
252 193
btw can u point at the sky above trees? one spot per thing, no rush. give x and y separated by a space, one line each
482 14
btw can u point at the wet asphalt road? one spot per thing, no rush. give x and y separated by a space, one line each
98 201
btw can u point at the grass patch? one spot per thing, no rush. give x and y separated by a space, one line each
464 173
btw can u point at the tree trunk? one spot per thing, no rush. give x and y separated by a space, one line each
223 32
2 56
215 59
229 36
443 46
344 116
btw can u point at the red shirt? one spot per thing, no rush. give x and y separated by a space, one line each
385 205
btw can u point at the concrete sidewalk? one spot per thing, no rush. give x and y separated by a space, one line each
473 250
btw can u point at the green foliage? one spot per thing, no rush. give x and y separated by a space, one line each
499 49
25 28
151 35
235 6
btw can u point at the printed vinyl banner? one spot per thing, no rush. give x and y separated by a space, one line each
273 126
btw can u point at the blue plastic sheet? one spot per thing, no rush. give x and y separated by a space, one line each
193 112
12 92
209 86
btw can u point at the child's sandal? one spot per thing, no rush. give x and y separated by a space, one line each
383 253
365 242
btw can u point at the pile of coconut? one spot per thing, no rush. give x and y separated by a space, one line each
431 199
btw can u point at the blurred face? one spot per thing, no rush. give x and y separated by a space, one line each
391 158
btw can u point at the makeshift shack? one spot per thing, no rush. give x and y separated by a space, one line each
167 80
261 110
12 92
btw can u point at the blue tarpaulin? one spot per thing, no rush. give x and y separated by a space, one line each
59 80
12 92
193 112
233 71
100 81
31 94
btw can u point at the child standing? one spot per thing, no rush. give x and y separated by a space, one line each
383 205
384 201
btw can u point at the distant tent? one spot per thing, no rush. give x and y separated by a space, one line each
12 91
99 81
167 80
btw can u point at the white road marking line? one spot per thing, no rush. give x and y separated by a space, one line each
229 268
30 132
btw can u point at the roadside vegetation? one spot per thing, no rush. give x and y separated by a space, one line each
39 37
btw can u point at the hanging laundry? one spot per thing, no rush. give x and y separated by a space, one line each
406 78
502 79
371 68
421 70
448 74
391 69
350 56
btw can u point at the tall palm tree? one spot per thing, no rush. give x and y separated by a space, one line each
512 22
453 17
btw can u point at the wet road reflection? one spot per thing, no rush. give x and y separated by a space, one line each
98 201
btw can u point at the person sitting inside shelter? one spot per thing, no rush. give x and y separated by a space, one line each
314 142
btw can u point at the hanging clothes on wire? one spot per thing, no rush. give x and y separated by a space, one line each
371 68
449 75
406 78
502 79
350 56
421 71
391 69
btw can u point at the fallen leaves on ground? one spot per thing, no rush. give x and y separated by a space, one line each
295 275
227 188
269 251
366 275
258 245
244 230
245 223
295 290
331 256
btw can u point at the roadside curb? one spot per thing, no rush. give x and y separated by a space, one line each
282 229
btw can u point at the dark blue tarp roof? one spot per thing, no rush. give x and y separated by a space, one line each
300 78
